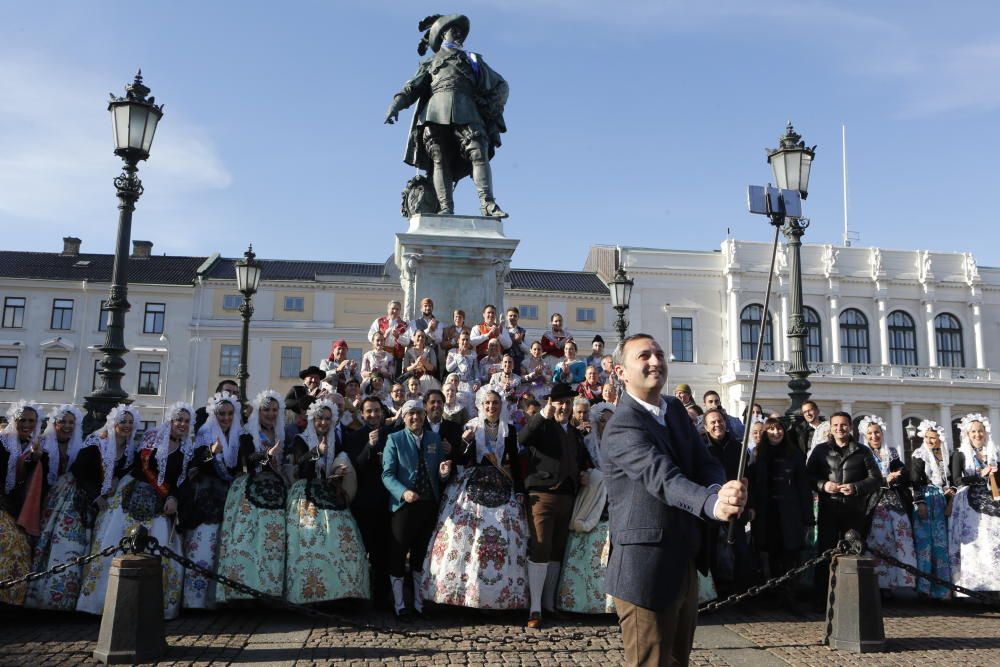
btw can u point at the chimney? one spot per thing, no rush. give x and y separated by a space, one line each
142 249
71 246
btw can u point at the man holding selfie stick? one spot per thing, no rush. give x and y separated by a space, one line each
664 487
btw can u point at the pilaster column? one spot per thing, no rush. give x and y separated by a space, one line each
733 325
848 407
977 333
834 316
994 415
931 340
944 419
883 330
897 437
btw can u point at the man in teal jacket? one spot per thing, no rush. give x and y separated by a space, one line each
414 470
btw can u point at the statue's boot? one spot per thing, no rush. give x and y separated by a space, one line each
491 209
444 189
482 176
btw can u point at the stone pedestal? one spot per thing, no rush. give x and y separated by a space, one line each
458 261
132 623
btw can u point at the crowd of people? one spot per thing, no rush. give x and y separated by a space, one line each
463 466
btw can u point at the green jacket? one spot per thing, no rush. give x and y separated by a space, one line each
400 463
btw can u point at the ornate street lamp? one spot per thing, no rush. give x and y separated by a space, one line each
247 282
791 163
621 294
134 118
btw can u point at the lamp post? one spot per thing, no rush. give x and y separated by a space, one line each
134 118
247 281
621 293
791 163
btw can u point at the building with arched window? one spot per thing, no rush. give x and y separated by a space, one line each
889 332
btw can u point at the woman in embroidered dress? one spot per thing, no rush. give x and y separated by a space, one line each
536 373
462 361
325 555
420 361
149 499
581 581
377 359
891 531
252 548
932 499
69 514
116 448
454 410
19 436
491 363
203 495
975 517
570 369
478 555
506 382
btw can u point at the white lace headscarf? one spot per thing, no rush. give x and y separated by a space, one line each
10 440
253 423
106 440
159 440
992 451
478 424
885 454
50 444
309 435
592 440
210 431
938 472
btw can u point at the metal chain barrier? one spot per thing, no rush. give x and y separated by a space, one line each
62 567
985 598
772 583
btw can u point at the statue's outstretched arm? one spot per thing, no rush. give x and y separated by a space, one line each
408 94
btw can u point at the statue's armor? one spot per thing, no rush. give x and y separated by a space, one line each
452 85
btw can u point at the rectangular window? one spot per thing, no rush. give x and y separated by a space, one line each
153 321
229 360
291 361
144 426
528 312
586 315
102 316
62 314
96 380
55 374
13 312
149 377
8 372
682 338
295 303
231 302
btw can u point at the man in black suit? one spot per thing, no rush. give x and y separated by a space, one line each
663 486
371 502
555 457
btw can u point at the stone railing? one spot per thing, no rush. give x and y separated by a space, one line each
870 370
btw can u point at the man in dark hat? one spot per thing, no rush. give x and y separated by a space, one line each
555 456
459 116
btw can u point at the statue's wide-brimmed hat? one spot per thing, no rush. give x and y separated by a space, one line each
436 33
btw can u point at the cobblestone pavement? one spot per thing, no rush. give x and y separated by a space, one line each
919 634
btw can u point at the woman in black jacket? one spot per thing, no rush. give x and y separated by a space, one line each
780 500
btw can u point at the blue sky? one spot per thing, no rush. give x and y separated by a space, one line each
637 122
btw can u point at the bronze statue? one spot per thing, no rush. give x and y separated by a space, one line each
458 119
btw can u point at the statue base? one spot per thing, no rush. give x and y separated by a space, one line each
458 261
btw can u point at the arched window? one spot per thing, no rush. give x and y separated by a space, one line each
902 339
854 337
814 335
750 319
948 334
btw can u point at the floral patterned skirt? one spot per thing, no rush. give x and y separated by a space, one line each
974 542
64 536
201 545
325 556
930 537
251 544
478 555
15 558
892 533
112 525
581 580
